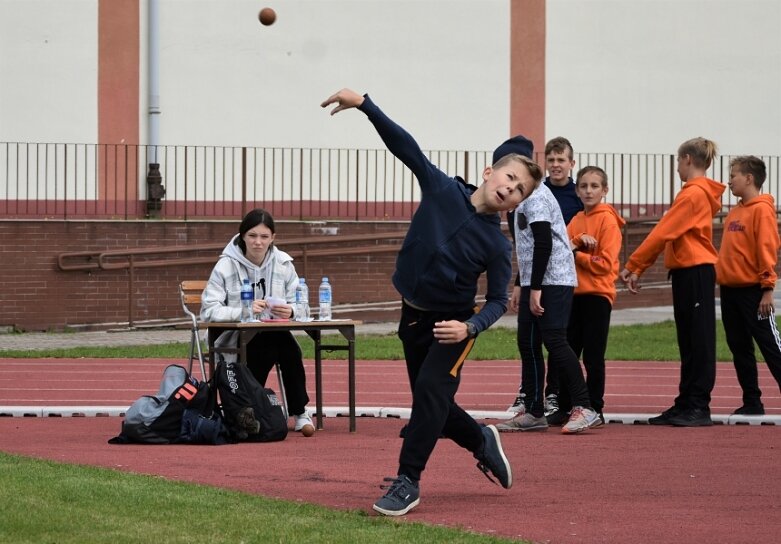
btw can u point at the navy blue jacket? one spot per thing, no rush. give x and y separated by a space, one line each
448 245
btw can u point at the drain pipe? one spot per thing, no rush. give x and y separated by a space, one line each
154 180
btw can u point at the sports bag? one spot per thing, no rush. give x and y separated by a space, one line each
252 412
184 410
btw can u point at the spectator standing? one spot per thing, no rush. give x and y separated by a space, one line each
595 236
559 162
685 235
746 274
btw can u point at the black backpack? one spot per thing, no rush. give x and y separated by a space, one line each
184 411
252 412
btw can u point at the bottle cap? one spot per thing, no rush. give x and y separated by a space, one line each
325 278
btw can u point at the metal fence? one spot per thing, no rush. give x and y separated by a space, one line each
106 181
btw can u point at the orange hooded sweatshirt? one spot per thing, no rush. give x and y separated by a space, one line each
749 245
598 269
685 232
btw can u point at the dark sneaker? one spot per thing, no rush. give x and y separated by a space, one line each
492 459
750 410
599 422
695 417
558 418
402 496
664 417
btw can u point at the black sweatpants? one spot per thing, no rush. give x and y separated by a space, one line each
550 330
694 309
434 372
268 348
742 325
589 326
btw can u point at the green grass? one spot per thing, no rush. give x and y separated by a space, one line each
47 502
654 342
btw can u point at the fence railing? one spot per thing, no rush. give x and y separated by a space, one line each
107 181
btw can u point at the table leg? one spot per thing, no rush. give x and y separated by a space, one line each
351 372
318 376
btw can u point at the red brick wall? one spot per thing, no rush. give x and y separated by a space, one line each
36 295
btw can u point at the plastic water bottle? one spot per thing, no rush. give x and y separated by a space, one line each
302 300
247 296
325 300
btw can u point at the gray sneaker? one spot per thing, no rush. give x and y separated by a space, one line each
523 422
402 496
517 406
551 404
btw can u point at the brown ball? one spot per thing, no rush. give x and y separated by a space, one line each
308 430
267 16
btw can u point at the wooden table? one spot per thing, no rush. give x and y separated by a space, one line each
314 329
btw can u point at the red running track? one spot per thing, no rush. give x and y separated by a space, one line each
632 387
628 484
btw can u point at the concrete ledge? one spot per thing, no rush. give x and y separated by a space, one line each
366 411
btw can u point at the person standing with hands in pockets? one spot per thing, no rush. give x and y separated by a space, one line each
454 237
685 234
746 274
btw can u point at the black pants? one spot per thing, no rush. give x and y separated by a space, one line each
589 326
550 330
434 372
694 308
269 348
742 326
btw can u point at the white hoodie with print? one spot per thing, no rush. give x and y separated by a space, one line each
221 299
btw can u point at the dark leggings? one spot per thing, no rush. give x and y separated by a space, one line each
587 334
269 348
549 329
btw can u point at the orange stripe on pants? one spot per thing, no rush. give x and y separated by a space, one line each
462 358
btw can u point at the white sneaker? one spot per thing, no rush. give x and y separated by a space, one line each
302 420
580 419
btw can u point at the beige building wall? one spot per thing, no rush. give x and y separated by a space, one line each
634 76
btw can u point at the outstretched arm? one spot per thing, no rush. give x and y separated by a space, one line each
398 140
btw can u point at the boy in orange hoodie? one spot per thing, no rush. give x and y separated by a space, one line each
595 236
747 276
685 234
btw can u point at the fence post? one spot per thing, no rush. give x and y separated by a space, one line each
243 180
131 283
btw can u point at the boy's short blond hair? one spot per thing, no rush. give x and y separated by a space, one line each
701 150
533 168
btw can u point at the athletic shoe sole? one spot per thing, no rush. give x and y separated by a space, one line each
504 457
385 512
512 429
